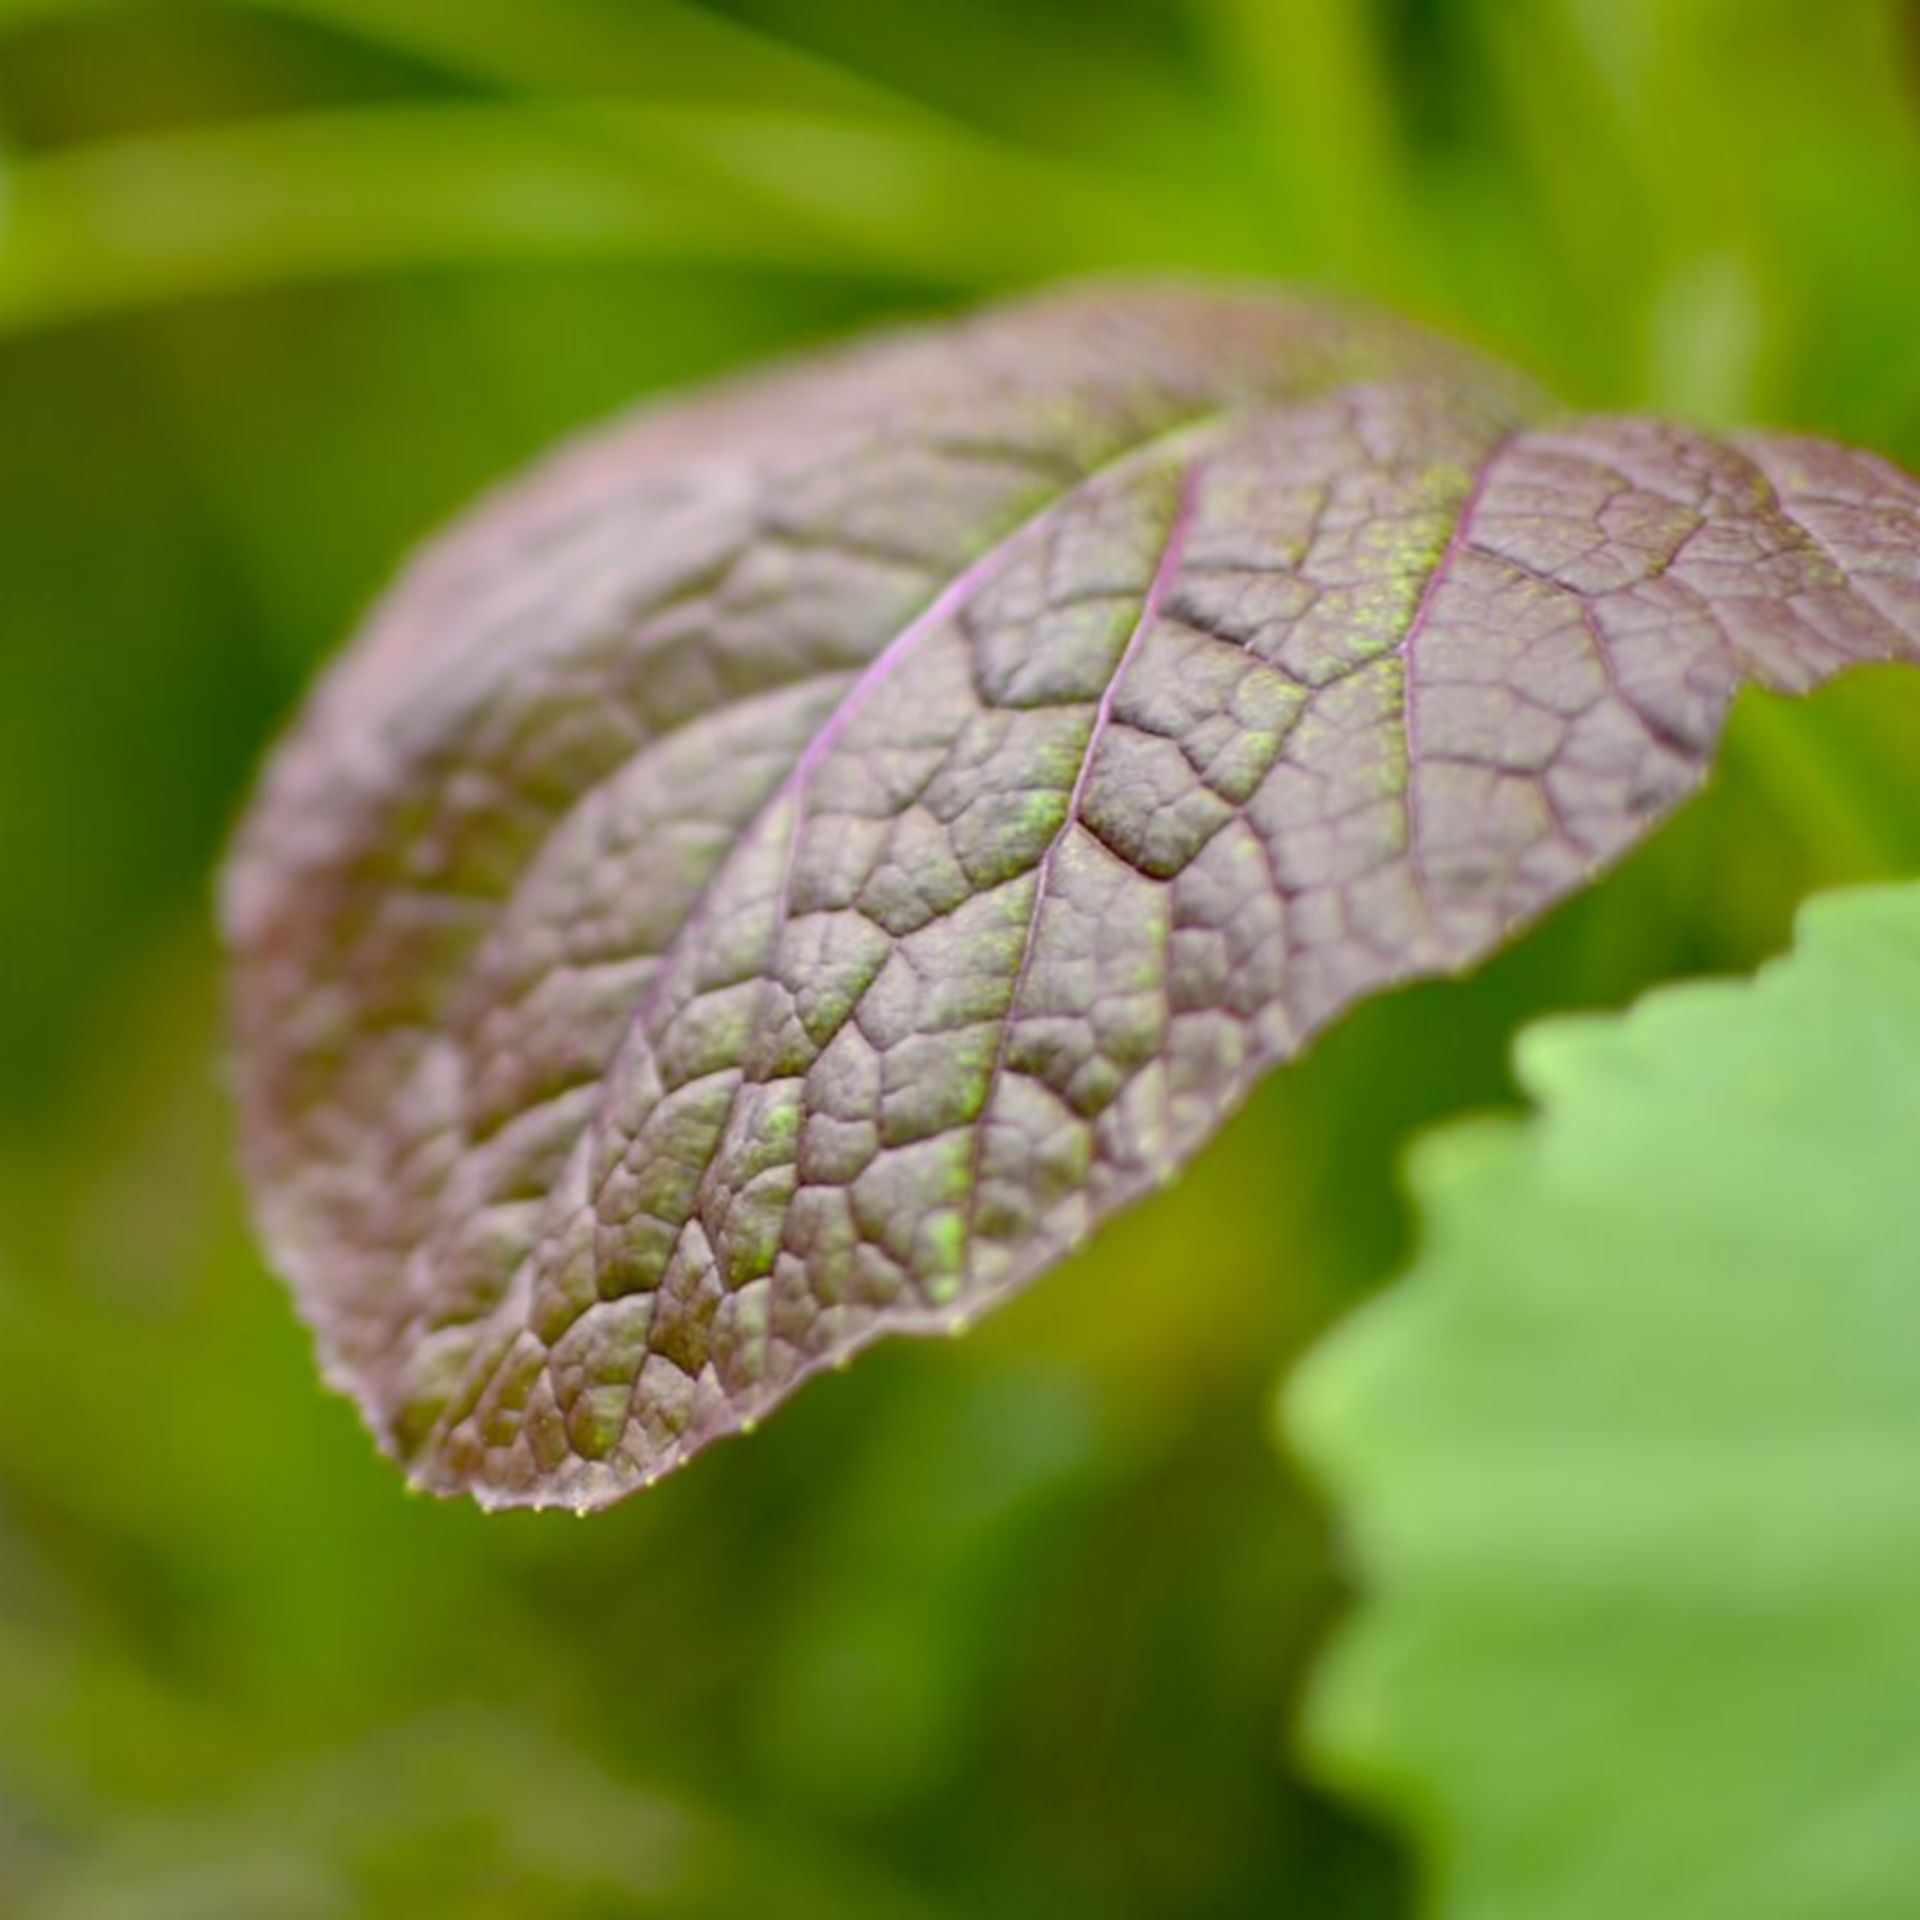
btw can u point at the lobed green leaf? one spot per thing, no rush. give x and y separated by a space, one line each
1631 1463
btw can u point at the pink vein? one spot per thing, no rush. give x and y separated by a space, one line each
945 606
1457 543
792 788
1163 577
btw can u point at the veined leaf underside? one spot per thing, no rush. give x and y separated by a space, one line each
786 872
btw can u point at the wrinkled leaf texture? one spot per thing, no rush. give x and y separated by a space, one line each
786 871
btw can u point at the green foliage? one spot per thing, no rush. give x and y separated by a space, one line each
1004 1627
1631 1462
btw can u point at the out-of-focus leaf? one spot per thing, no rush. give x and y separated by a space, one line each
788 872
650 49
1314 76
215 209
956 207
218 208
1631 1463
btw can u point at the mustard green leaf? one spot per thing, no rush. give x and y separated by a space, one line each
788 871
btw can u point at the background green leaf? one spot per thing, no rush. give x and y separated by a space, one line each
1630 1463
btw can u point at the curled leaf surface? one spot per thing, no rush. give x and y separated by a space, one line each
786 871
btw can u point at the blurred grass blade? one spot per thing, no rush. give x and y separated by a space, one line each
943 202
212 210
1314 75
219 209
651 48
645 48
1594 213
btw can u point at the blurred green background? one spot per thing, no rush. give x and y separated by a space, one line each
1005 1627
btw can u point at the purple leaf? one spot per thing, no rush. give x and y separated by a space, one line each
789 870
